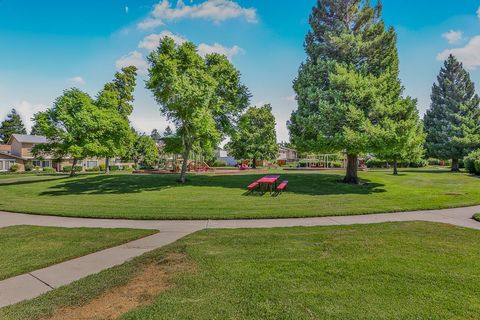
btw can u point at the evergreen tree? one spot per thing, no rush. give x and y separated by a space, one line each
12 124
168 132
451 123
155 135
256 138
348 82
36 130
402 134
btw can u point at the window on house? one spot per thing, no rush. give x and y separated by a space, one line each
42 163
92 164
1 165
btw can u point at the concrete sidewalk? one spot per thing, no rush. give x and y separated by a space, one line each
33 284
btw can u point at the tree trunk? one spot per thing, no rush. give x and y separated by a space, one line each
395 167
107 165
254 163
455 165
72 171
352 169
183 173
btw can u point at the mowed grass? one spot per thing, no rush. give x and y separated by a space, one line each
223 196
402 270
27 248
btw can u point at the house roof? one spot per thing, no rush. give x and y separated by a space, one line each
27 138
5 148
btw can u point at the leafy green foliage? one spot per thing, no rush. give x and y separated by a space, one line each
471 160
201 96
143 150
256 138
451 123
348 88
12 124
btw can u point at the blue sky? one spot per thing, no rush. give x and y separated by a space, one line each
51 45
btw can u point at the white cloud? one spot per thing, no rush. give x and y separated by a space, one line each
453 36
469 55
214 10
76 80
126 9
204 49
151 41
27 110
134 58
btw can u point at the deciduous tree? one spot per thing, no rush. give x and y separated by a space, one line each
256 138
202 97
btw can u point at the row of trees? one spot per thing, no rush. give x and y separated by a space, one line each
79 126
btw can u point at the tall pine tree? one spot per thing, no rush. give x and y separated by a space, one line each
12 124
347 84
451 123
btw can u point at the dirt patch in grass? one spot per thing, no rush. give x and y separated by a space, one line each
142 289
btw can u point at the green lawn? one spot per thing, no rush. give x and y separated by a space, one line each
27 248
407 270
223 196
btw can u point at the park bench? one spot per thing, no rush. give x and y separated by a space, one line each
282 186
252 186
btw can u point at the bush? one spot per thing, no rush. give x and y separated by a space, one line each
114 168
434 162
376 163
93 169
220 163
470 162
49 170
336 164
102 167
419 163
29 167
14 168
69 168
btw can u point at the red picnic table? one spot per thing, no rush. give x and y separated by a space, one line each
268 181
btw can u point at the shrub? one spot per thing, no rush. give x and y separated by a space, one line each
29 167
69 168
49 170
469 162
419 163
114 168
376 163
220 163
93 169
14 168
102 167
434 162
336 164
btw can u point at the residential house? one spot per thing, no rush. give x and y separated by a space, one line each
18 150
222 155
286 155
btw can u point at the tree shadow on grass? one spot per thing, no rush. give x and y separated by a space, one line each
299 183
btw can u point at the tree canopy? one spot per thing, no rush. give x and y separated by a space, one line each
73 127
202 97
11 125
451 123
116 100
256 138
349 82
143 150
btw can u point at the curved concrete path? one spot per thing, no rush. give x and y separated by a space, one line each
33 284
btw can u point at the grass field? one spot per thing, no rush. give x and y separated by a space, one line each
223 196
407 270
27 248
